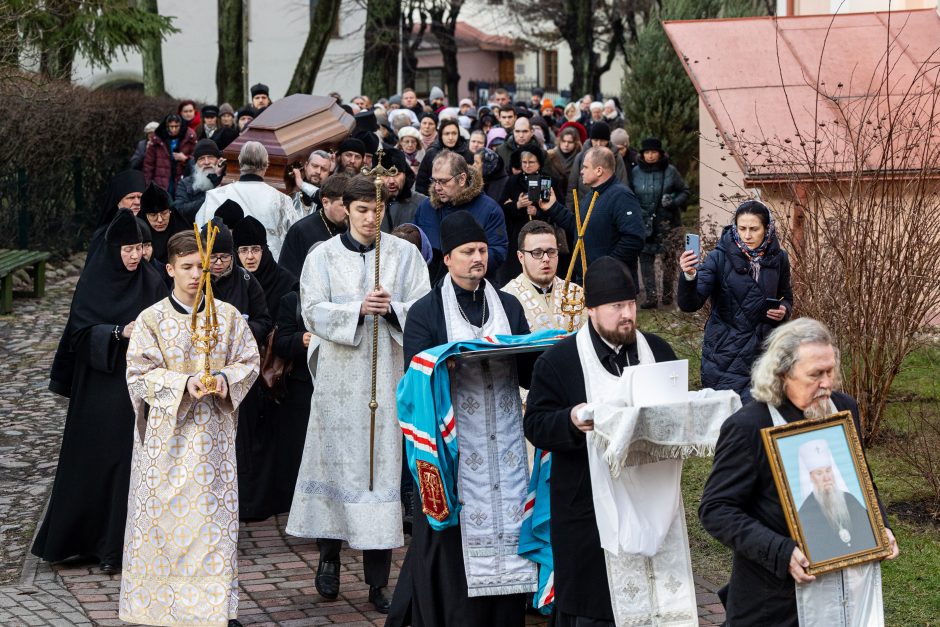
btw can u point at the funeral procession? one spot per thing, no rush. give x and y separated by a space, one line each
470 313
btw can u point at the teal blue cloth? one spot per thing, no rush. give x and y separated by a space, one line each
535 542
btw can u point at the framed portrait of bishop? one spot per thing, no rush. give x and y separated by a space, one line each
826 492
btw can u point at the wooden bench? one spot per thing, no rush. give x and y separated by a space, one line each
13 260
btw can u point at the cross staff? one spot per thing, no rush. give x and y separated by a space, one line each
574 306
378 173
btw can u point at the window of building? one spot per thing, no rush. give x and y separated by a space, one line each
426 78
550 70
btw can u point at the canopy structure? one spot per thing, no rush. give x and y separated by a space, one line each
291 128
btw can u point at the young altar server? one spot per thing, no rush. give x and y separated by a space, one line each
333 500
181 541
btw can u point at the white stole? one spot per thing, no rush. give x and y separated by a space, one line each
850 597
460 329
640 517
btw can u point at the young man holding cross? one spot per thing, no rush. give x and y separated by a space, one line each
181 539
348 484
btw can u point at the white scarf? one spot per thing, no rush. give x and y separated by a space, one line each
850 597
460 329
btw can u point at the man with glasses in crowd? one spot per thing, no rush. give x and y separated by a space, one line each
539 288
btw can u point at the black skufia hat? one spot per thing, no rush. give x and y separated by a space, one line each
460 228
223 244
249 232
259 88
230 213
155 199
366 121
211 111
608 280
123 229
351 144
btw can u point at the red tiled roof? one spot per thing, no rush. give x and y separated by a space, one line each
470 37
780 79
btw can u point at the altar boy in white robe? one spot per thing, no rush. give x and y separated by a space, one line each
181 539
332 499
557 393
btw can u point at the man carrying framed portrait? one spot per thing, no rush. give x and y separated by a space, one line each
771 581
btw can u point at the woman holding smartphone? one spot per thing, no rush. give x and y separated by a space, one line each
747 278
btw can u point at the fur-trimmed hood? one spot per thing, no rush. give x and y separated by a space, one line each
473 189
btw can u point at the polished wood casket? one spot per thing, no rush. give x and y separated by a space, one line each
291 128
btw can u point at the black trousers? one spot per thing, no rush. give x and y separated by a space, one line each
376 563
568 620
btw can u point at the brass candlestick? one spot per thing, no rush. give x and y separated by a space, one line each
205 339
378 173
572 306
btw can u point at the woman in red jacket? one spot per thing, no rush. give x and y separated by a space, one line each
167 155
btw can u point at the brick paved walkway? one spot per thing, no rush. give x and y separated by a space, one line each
276 570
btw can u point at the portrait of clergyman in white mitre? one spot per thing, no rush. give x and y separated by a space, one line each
827 494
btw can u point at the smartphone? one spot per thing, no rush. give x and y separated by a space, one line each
546 189
220 163
694 243
532 187
772 303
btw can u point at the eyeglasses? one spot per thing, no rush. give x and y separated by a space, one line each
244 250
220 258
441 182
160 215
538 253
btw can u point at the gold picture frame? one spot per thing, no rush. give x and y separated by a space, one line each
826 492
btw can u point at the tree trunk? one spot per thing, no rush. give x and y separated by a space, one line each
229 79
582 62
410 42
380 72
308 65
151 51
443 29
55 57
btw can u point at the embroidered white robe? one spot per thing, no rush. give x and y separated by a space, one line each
181 539
332 497
544 311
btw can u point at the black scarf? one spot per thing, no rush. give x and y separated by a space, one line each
176 224
274 280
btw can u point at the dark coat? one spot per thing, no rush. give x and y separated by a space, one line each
738 322
423 179
510 146
516 218
581 587
650 181
621 173
484 209
301 236
159 165
741 509
615 227
137 159
187 200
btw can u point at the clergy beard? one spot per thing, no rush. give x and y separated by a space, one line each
201 181
618 337
818 409
832 503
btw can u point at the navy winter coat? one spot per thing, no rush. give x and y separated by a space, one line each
738 322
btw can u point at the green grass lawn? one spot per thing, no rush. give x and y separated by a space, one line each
911 583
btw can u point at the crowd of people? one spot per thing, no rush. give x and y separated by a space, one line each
474 234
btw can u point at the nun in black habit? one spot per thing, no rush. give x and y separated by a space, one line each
253 449
164 220
88 506
250 236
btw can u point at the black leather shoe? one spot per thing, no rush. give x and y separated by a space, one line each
378 596
110 569
233 623
327 581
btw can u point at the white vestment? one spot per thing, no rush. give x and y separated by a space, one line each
544 311
637 496
850 597
257 199
181 539
332 497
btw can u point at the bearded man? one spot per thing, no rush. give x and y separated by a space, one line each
795 378
207 174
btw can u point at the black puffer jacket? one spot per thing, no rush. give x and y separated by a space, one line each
738 322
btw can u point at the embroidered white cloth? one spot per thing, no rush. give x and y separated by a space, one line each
332 497
851 597
544 311
493 475
181 539
637 498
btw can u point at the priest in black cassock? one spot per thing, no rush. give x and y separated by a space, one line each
88 507
253 444
432 587
319 226
582 595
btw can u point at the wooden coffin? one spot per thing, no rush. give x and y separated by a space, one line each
291 128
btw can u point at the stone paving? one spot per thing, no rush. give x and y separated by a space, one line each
276 571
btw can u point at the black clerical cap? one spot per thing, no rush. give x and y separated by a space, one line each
223 240
460 228
370 141
210 111
608 280
366 121
124 183
246 111
600 130
395 158
205 147
123 229
146 235
351 144
259 88
249 232
155 199
230 213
